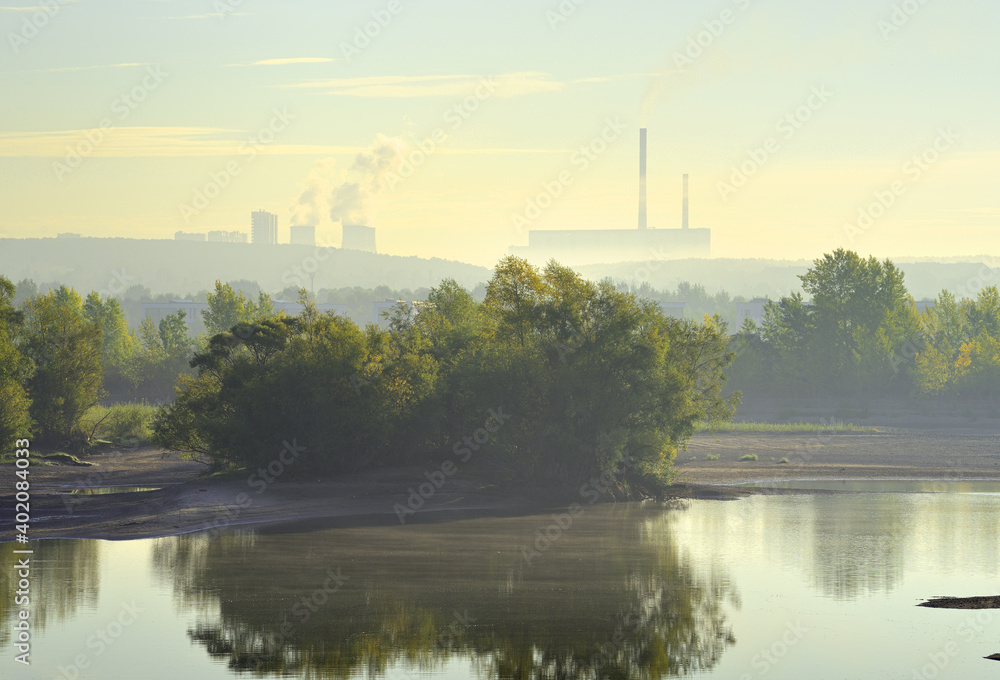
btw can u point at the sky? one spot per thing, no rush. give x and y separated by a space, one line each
455 127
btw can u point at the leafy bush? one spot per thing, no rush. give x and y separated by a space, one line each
749 456
127 424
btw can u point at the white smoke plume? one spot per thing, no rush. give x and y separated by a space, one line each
348 196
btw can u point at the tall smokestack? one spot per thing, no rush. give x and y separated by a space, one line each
684 213
642 179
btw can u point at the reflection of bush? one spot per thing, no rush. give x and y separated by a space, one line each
606 599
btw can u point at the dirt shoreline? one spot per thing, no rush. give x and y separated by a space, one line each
185 503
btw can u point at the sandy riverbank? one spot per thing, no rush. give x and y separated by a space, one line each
184 502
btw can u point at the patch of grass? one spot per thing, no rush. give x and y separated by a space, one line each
749 456
783 461
122 424
750 426
712 456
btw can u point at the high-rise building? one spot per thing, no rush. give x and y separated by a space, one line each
263 228
302 235
358 237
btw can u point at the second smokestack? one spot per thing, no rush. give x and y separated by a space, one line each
684 210
642 178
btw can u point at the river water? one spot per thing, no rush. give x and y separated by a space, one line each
798 587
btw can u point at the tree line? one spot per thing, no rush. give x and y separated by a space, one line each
61 355
857 332
549 378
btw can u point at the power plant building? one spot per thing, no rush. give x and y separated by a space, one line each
575 247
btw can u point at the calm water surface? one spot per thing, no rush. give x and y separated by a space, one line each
796 587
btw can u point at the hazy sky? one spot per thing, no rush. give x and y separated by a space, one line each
252 102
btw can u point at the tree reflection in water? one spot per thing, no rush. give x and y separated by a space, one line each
64 577
612 598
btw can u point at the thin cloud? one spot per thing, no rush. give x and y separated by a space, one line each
150 142
293 60
63 69
452 85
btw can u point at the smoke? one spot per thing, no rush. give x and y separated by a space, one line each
348 196
310 206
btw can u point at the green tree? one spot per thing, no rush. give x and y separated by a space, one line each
119 347
228 307
166 351
15 371
66 350
852 300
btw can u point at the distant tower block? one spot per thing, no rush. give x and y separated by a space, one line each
263 228
684 210
642 178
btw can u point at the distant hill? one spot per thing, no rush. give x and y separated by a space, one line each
111 265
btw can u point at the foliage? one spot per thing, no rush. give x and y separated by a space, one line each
65 348
123 424
845 339
164 355
960 350
550 379
228 307
119 347
15 370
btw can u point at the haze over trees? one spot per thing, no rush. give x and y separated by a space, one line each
575 377
569 378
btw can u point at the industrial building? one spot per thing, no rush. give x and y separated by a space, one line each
575 247
358 237
263 228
